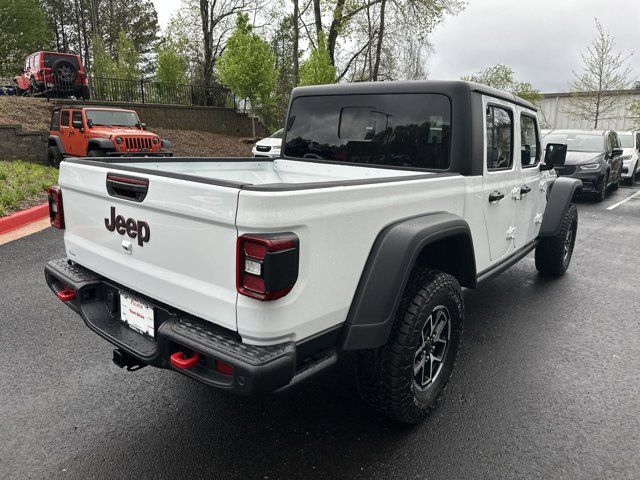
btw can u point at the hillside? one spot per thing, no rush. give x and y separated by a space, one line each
34 113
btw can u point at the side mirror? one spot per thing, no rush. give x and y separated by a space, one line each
89 123
615 152
143 126
554 155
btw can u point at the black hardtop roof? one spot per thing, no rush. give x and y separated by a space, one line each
448 87
91 107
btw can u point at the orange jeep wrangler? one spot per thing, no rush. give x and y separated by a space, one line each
100 132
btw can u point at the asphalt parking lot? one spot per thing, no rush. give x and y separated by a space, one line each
546 386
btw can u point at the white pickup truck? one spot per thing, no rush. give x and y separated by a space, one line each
251 274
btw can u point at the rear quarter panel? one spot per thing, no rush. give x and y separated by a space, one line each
337 227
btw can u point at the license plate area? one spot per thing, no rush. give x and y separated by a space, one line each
137 315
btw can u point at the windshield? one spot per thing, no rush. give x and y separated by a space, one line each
384 129
626 140
578 142
277 134
113 118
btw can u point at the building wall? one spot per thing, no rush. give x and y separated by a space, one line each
18 145
554 112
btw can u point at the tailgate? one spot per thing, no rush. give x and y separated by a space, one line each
176 246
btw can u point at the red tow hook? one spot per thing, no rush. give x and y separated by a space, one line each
66 294
181 361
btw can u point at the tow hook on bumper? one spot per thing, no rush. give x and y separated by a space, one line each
122 359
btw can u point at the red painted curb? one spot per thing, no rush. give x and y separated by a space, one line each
24 217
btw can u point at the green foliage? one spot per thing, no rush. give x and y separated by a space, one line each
317 69
171 62
634 108
23 30
23 184
502 78
123 65
247 65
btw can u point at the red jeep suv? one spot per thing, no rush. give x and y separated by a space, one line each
99 132
61 74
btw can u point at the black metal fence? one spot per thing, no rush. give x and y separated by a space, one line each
145 91
135 91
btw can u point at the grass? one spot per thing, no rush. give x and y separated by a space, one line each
24 185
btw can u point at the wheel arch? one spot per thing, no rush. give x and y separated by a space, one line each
560 195
440 240
54 141
100 144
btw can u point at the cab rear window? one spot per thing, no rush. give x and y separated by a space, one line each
399 130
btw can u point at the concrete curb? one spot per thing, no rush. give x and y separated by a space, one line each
24 217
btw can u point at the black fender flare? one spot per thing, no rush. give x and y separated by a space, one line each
58 143
100 143
561 192
386 272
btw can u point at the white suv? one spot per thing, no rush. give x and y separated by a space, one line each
268 147
630 142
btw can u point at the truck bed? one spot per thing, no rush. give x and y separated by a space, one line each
263 172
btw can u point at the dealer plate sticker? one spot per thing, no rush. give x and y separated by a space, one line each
137 315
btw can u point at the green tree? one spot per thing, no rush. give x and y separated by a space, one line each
23 30
247 66
502 78
171 62
318 69
634 108
127 58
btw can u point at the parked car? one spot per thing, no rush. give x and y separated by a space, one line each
8 86
55 73
593 156
268 147
630 142
358 239
77 131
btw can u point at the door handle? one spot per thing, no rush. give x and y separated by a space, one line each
495 196
525 189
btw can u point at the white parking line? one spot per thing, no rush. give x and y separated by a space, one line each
624 200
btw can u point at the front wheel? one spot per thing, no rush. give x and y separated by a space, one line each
553 254
404 378
96 153
601 191
53 156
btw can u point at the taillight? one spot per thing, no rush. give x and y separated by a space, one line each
56 213
267 265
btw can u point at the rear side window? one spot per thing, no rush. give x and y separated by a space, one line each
499 137
398 130
64 118
529 142
55 120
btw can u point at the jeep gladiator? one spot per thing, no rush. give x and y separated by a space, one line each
251 275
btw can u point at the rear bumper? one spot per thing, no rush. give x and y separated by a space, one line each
256 369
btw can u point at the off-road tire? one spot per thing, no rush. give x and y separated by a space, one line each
552 259
601 191
96 153
385 375
616 184
53 156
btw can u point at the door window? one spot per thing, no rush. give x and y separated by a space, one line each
64 118
499 138
76 119
529 141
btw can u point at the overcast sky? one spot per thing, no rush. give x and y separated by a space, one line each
540 39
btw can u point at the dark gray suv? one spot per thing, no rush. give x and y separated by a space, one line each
593 156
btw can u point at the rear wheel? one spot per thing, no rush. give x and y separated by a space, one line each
53 156
405 378
553 254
